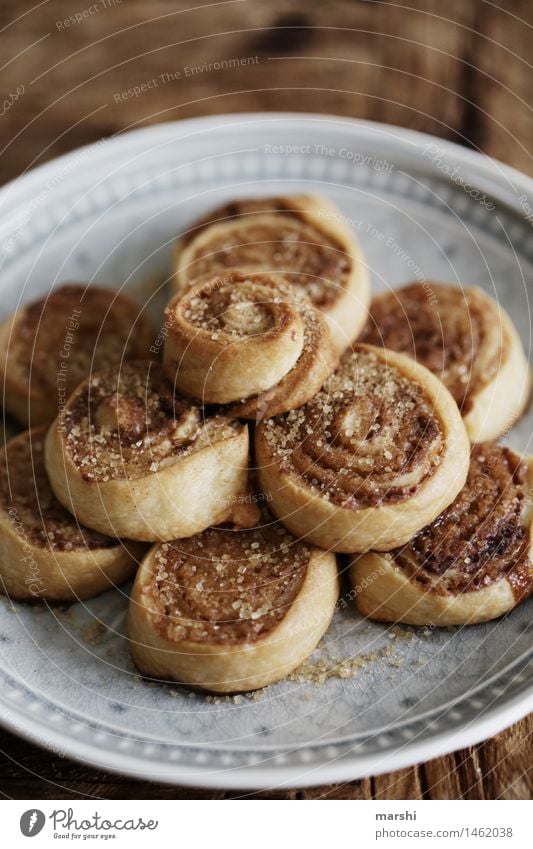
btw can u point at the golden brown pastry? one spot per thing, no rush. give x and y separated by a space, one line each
472 564
44 552
303 237
378 453
130 458
466 339
52 344
251 338
230 610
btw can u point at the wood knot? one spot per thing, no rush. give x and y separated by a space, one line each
288 33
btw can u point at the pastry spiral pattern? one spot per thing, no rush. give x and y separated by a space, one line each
247 338
131 457
52 344
230 611
290 207
44 552
473 563
467 340
380 435
483 535
302 237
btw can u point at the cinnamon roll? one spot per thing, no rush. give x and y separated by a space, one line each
229 611
251 338
472 564
303 237
44 553
52 344
466 339
131 459
378 453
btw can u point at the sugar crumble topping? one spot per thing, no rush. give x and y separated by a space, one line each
278 242
26 494
131 424
76 330
482 535
446 328
369 436
226 586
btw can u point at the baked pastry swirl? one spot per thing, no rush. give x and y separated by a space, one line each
52 344
303 237
466 339
130 458
251 338
378 453
472 564
229 611
44 552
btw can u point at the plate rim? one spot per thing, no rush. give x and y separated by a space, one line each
259 777
477 160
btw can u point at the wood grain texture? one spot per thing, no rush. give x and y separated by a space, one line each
497 769
459 70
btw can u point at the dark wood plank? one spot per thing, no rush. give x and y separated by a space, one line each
498 768
507 763
403 784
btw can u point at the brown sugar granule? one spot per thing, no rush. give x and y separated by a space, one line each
314 348
443 327
322 669
97 326
245 209
233 313
241 698
132 423
25 490
481 536
93 632
370 436
277 242
226 586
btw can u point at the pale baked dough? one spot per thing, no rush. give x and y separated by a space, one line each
385 590
337 438
44 553
52 344
248 338
215 658
305 237
129 458
467 340
497 406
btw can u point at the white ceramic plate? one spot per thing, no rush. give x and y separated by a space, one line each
109 213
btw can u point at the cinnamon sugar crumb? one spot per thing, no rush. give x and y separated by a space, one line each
129 425
335 443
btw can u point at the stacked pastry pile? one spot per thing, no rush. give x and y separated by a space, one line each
279 429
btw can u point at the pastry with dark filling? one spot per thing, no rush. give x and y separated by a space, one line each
129 457
230 610
467 340
52 344
378 453
250 338
44 552
303 237
472 564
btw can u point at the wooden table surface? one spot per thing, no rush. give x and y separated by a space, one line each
455 69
